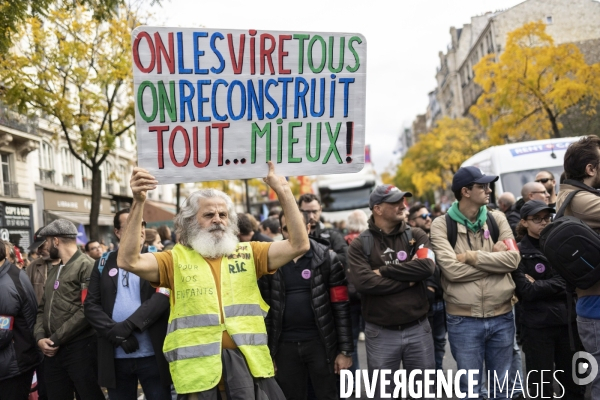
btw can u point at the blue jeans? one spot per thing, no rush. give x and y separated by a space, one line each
475 340
438 329
145 369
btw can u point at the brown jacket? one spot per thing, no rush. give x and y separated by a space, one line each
481 287
586 207
390 299
37 272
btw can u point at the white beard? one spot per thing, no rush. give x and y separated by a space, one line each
214 242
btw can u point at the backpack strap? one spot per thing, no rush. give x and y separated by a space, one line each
451 230
366 238
564 205
409 238
102 261
493 227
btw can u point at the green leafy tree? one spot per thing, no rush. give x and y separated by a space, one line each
14 13
76 69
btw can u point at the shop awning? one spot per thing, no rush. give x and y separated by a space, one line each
80 218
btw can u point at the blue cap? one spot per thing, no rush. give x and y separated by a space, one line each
468 175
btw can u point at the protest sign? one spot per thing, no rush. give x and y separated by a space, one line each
219 103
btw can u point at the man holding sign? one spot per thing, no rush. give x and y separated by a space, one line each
217 312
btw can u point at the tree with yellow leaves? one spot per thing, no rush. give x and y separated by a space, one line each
430 163
532 85
76 70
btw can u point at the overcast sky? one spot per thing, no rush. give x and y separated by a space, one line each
403 45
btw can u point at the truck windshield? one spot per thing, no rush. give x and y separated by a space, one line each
514 181
346 199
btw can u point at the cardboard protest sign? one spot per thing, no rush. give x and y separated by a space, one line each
219 103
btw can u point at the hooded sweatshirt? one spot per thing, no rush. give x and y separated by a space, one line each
389 299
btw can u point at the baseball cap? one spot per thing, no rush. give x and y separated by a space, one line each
466 176
37 240
386 194
533 207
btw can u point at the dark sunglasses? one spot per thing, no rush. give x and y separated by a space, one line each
424 216
543 180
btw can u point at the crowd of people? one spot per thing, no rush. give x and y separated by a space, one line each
225 307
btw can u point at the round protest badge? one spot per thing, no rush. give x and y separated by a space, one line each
540 268
486 234
306 273
113 272
56 284
402 255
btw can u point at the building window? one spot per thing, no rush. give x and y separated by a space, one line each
86 177
108 172
122 180
67 161
549 19
9 188
46 163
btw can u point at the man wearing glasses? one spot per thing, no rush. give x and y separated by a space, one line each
530 191
546 178
130 317
311 205
477 282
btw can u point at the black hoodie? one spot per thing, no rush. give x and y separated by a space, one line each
389 299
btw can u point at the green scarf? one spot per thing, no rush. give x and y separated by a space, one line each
476 226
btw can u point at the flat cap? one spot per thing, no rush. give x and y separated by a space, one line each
60 228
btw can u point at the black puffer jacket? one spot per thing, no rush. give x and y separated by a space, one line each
334 239
513 215
18 349
332 319
544 302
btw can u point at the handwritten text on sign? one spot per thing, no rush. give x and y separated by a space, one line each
218 104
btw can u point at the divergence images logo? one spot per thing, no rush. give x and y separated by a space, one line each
584 367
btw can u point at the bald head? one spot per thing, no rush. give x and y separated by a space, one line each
505 201
535 191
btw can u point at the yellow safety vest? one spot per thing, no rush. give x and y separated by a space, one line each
193 342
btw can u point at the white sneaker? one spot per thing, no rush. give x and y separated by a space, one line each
361 336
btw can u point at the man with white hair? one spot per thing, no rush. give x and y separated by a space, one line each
217 312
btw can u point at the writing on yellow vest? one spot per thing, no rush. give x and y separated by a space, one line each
193 342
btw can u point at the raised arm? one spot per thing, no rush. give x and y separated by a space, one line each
282 252
130 259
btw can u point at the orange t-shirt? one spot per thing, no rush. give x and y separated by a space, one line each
260 251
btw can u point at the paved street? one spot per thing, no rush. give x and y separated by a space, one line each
449 364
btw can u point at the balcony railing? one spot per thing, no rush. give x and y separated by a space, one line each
87 183
15 120
46 175
123 190
11 189
68 180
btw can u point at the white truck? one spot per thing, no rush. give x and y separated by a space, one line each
342 193
518 163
